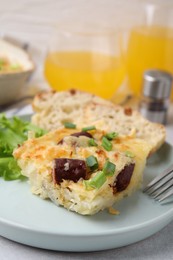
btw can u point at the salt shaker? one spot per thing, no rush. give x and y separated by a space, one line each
155 97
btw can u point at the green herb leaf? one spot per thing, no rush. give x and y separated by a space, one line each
69 125
111 136
92 162
9 169
92 142
107 145
95 182
13 132
88 128
109 168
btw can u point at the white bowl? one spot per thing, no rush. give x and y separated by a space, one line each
12 83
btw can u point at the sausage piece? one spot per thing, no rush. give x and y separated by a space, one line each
69 169
77 135
123 178
82 134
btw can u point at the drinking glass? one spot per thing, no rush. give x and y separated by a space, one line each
150 43
87 58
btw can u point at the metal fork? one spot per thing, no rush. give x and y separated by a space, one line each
161 187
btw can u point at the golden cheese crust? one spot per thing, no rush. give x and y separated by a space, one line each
47 148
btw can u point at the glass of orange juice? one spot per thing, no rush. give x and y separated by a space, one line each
150 43
87 58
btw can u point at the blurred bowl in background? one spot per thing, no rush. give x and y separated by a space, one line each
15 68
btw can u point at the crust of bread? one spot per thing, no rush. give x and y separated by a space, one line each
52 109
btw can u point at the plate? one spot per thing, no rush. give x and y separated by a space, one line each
27 219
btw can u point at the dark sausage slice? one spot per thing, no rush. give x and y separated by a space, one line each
77 135
82 134
69 169
123 178
61 141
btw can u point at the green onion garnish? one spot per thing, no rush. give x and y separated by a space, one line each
15 66
69 125
92 162
109 168
96 182
92 142
88 128
99 179
129 154
107 145
111 136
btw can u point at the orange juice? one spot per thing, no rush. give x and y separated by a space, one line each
97 73
148 48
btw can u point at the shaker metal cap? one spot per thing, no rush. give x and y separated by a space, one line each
157 84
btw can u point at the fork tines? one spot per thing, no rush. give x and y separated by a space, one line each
161 187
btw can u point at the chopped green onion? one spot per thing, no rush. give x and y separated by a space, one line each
107 145
92 142
109 168
95 182
88 128
111 136
129 154
15 66
92 162
69 125
99 179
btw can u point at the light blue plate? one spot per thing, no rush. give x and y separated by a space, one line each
29 220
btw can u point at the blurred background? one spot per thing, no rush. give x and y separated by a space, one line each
102 46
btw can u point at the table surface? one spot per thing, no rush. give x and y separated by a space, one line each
159 246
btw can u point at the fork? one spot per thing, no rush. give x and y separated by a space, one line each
161 187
